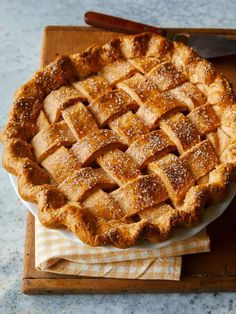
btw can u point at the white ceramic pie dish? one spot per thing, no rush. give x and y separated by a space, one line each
211 213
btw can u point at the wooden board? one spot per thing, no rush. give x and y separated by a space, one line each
214 271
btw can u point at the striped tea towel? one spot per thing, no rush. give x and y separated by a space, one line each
55 252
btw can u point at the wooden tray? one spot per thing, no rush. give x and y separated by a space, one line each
214 271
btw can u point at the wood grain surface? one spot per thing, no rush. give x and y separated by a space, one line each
214 271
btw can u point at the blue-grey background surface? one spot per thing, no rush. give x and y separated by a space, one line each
21 26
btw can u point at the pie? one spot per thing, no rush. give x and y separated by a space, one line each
123 142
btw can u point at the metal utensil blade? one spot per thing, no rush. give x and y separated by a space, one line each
208 45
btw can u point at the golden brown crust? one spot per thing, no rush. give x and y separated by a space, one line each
123 216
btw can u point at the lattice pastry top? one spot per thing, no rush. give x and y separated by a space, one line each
123 142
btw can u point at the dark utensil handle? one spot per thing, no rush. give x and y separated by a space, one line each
117 24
